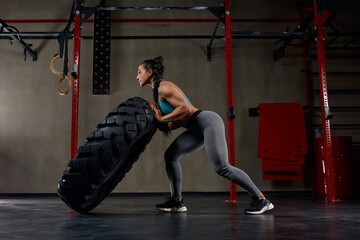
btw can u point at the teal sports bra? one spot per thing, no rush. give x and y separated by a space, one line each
167 108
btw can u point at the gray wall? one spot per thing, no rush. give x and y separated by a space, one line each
35 120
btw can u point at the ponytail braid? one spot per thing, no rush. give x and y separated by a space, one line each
156 65
156 88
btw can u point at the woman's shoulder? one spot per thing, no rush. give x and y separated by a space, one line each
166 83
166 87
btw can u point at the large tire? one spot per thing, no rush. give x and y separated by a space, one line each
107 155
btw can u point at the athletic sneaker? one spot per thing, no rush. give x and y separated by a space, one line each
259 206
172 205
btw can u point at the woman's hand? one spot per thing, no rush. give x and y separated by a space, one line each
157 113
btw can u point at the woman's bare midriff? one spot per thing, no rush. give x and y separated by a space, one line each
182 122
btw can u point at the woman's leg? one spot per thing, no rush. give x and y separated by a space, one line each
184 144
216 147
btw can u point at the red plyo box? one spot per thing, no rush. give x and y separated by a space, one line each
278 131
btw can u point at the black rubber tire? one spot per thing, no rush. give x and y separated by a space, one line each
107 155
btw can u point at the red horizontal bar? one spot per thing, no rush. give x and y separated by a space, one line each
266 20
149 20
204 20
164 20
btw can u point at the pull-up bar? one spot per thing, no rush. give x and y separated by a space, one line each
102 8
88 11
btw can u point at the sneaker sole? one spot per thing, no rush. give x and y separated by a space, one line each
266 208
174 209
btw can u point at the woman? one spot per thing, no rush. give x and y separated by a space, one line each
204 128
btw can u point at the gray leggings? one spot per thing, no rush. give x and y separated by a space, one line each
204 128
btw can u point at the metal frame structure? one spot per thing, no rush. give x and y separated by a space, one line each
76 80
319 18
218 12
325 108
230 103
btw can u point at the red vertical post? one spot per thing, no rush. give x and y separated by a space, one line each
76 78
229 86
325 110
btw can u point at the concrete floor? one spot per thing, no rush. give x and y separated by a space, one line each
132 216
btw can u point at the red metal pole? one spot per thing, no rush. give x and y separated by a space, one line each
229 86
76 78
330 186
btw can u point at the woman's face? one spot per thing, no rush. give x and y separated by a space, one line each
143 76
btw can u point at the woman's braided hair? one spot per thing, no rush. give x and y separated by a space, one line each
156 65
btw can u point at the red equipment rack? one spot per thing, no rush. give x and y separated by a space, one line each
325 110
229 87
76 78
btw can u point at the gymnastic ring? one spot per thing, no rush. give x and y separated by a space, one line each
52 65
59 85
